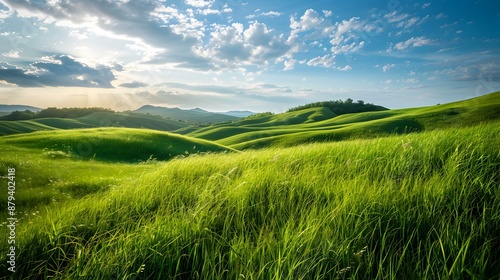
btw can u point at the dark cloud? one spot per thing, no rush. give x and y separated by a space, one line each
61 71
134 85
19 77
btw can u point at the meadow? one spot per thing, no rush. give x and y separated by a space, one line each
405 206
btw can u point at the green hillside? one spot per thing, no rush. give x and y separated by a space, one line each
100 119
111 144
413 206
320 124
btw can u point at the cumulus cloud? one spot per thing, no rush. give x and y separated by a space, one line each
231 46
11 54
199 3
325 61
310 20
346 36
56 71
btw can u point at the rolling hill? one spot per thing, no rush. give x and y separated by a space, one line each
320 124
111 144
100 119
316 124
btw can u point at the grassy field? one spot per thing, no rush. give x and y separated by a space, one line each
411 206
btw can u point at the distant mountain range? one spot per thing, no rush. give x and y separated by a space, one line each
239 114
7 109
196 115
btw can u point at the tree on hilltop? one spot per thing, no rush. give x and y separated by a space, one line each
53 112
340 107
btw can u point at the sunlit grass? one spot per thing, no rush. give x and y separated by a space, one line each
417 206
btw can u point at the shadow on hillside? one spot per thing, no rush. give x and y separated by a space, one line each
402 126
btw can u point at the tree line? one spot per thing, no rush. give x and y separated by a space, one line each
340 107
53 112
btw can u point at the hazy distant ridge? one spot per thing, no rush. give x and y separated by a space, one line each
196 115
12 108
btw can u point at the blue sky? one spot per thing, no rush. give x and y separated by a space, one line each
246 55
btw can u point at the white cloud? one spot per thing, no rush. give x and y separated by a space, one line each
289 64
310 20
410 81
4 14
440 15
264 14
271 14
200 3
395 17
413 42
348 25
209 12
425 5
313 30
346 68
424 19
233 46
348 34
386 67
409 23
12 54
326 61
353 47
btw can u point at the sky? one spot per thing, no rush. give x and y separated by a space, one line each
246 55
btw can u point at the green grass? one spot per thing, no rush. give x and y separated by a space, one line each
321 125
100 119
414 206
112 144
